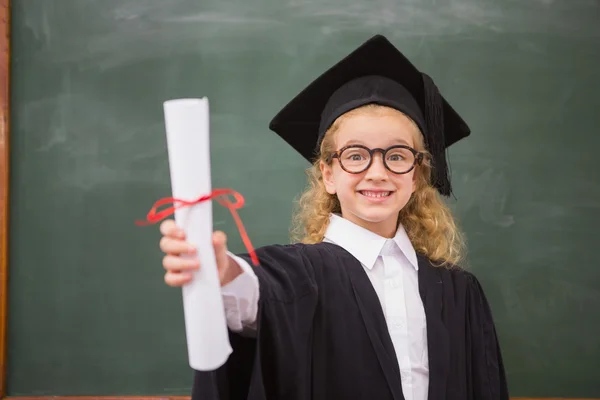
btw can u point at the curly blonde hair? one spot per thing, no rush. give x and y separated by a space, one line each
426 218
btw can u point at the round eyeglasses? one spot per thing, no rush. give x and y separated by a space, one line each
398 159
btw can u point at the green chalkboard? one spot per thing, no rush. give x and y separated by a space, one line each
88 311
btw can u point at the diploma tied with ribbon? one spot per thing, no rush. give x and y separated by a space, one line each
187 134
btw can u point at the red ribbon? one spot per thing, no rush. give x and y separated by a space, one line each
220 195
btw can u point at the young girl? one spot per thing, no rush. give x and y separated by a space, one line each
371 304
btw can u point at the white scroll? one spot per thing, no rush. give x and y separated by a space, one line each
187 126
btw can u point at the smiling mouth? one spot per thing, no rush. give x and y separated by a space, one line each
374 195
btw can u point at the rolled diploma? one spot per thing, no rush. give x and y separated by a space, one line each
187 127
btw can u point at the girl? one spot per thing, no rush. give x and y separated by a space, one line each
371 304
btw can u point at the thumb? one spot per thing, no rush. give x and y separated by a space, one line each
220 245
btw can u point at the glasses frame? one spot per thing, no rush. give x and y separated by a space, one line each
336 154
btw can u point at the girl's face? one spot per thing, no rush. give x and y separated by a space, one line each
373 198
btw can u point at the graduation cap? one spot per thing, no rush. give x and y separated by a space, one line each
374 73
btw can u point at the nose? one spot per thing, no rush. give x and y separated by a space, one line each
377 170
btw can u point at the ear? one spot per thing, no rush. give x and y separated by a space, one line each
328 179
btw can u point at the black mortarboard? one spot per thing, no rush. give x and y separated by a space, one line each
376 72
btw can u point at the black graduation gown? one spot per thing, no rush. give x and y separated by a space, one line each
322 335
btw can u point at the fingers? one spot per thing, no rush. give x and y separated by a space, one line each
179 269
173 239
177 278
170 229
174 263
176 246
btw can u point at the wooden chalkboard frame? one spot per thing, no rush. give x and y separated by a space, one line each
4 215
4 153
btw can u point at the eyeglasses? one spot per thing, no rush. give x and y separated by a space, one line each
399 159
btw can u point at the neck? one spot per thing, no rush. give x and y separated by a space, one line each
386 229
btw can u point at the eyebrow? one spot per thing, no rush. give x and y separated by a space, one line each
351 142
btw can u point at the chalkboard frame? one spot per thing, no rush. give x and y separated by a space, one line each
4 153
4 225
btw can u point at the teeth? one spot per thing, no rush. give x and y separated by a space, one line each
375 194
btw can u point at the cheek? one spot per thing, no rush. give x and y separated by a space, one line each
406 183
346 183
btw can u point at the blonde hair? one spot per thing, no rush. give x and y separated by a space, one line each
426 218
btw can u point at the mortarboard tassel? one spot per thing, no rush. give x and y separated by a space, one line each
434 137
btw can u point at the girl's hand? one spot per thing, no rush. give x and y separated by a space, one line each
178 263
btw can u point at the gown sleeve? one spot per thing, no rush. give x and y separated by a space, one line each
240 299
488 377
276 362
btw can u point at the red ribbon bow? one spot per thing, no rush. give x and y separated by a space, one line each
220 195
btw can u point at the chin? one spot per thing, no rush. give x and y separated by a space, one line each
376 216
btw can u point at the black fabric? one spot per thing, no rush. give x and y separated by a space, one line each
371 89
322 335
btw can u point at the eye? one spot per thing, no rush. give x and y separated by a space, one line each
354 155
397 156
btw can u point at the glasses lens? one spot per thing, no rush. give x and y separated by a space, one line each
355 159
399 159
